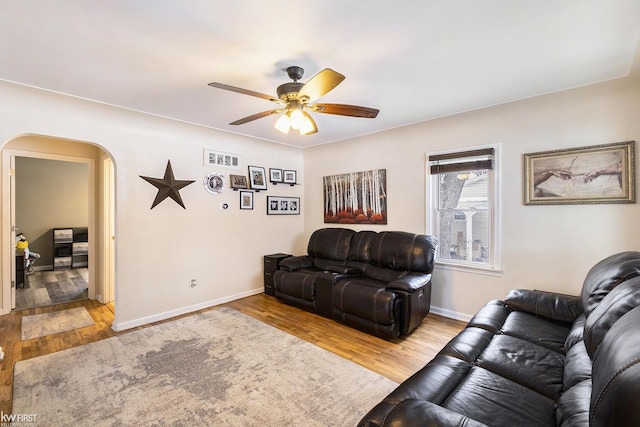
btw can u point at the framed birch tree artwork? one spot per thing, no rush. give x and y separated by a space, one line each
356 198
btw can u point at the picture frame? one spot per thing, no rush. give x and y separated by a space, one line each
366 205
594 174
238 182
214 183
246 200
257 178
222 159
275 175
290 177
278 205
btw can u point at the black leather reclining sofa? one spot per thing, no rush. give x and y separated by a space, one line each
376 282
535 359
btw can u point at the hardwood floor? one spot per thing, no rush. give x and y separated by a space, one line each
396 359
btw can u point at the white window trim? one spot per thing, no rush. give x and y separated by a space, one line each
494 267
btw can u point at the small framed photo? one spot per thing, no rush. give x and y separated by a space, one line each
257 178
246 200
214 183
277 205
275 175
290 177
238 182
596 174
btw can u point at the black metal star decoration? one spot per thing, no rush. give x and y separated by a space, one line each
167 186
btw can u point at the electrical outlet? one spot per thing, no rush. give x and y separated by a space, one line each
192 285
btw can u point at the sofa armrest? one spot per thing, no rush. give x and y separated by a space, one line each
551 305
409 283
296 263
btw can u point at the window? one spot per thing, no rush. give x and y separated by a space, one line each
463 207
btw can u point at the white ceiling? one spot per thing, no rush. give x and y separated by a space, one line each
414 60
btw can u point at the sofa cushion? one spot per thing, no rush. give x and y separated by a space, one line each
616 375
536 330
572 409
614 305
399 250
577 366
575 333
497 401
331 243
606 275
360 247
525 363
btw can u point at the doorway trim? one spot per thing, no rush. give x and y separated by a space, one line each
101 264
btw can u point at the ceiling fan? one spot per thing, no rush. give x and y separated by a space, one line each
295 98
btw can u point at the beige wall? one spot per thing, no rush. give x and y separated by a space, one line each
159 251
49 194
543 247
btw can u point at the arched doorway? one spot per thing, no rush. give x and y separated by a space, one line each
101 208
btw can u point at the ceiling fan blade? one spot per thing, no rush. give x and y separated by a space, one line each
320 84
345 110
246 92
255 117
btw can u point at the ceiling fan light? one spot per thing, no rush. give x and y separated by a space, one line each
297 119
283 124
309 125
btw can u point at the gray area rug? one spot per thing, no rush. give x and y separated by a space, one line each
217 368
40 325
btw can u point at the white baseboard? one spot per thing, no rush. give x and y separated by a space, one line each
450 314
122 326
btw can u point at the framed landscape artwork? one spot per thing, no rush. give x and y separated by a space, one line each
596 174
356 198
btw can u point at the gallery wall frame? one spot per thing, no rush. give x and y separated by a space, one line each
238 182
257 178
246 200
602 173
290 177
222 159
275 175
279 205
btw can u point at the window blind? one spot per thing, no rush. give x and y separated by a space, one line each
461 161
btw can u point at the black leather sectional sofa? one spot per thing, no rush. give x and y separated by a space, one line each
535 359
376 282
